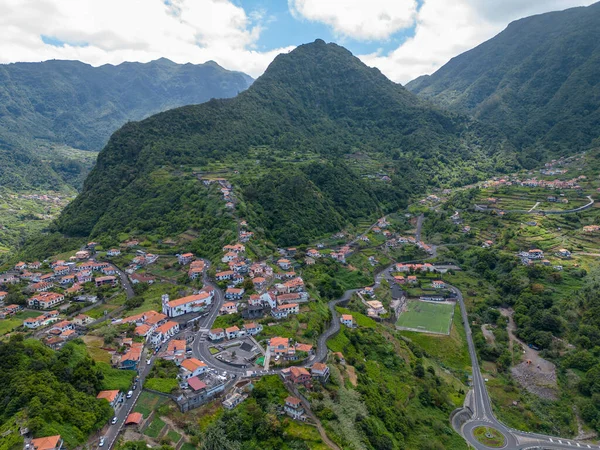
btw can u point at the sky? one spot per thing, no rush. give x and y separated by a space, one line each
403 38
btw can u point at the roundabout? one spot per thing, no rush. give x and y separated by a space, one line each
490 437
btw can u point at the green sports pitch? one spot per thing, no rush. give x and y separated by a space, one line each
427 317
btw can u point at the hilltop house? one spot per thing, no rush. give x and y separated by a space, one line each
347 320
293 408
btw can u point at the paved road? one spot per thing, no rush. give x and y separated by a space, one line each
419 227
539 211
483 415
127 406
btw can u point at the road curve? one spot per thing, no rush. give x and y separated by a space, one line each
483 415
538 211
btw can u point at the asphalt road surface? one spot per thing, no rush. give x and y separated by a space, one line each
483 414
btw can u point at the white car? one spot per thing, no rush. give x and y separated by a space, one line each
130 394
101 443
114 420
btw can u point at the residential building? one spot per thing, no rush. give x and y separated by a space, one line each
47 443
229 308
113 252
283 311
438 284
234 293
320 371
293 408
164 332
185 259
253 328
297 375
234 399
192 367
216 334
113 396
226 275
106 281
45 300
347 320
536 254
564 253
285 264
232 332
82 320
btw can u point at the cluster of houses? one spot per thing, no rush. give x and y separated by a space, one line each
233 332
591 228
68 275
402 240
288 350
535 183
226 190
303 376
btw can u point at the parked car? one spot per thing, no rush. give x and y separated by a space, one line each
130 394
114 420
101 443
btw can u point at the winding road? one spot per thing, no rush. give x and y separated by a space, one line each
478 406
538 211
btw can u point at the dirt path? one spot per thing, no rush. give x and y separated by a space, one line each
488 334
312 416
535 374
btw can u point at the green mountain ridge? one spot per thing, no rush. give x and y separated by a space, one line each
317 100
538 81
72 104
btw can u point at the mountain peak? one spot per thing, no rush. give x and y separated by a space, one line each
327 77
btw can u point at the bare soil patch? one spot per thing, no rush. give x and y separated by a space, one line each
535 374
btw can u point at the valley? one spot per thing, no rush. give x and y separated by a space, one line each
320 258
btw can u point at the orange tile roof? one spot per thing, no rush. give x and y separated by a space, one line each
165 327
192 364
45 443
108 395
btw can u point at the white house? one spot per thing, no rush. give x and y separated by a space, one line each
216 334
164 332
192 367
189 304
285 310
232 332
293 408
347 320
253 328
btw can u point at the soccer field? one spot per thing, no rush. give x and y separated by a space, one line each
427 317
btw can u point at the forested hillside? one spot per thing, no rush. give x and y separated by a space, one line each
318 100
49 392
74 105
538 80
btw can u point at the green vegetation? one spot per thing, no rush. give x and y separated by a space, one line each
427 316
539 94
489 437
397 401
51 392
155 427
255 424
51 108
148 402
307 103
163 376
116 378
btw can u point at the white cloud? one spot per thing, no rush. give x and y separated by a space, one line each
358 19
113 31
445 29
